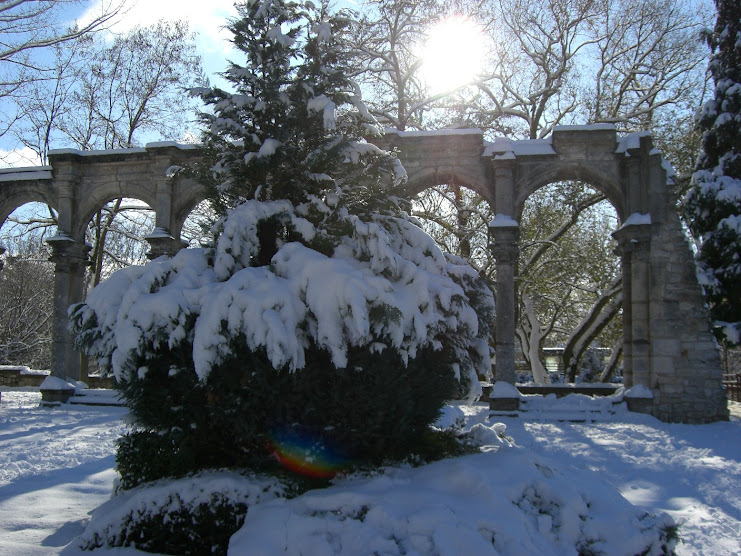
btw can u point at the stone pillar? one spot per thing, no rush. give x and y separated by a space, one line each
634 241
505 250
627 272
161 241
70 259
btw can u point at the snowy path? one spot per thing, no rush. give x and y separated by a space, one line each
691 472
56 467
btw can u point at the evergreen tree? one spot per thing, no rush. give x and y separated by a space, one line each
323 322
296 127
713 204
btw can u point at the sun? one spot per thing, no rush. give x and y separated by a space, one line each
453 54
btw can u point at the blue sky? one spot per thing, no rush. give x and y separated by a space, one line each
205 18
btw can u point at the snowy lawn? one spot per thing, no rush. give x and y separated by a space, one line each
56 468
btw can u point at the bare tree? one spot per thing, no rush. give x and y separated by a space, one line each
137 85
30 27
648 57
27 282
387 40
109 95
534 84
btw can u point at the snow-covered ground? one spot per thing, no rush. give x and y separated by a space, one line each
56 468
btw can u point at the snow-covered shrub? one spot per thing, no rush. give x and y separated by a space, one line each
322 314
194 515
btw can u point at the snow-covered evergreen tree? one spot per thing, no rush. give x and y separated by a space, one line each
713 205
321 312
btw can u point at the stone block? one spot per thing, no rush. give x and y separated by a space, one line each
504 404
640 405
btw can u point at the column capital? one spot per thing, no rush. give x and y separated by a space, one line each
503 163
635 238
69 255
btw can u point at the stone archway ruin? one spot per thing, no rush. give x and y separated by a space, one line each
668 348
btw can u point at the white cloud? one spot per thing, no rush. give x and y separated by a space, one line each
17 158
207 19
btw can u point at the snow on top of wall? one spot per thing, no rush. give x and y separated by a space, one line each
78 152
637 219
507 148
586 127
163 144
434 132
152 145
25 173
503 221
631 141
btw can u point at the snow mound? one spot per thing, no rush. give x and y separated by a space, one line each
506 502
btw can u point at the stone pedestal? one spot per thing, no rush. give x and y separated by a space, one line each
55 391
162 243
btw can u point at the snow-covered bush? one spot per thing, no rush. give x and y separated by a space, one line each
322 314
194 515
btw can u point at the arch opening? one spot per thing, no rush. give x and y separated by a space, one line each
27 286
195 229
569 286
457 218
116 233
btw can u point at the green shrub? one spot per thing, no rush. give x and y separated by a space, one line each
246 412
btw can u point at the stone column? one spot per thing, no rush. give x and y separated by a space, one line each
505 250
634 241
70 259
161 241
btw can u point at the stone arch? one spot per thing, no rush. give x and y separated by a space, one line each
669 349
98 199
187 202
604 242
597 179
10 204
450 194
428 178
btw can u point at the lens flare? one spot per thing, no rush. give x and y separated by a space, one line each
306 453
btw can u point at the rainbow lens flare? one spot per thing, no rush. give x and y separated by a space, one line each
306 453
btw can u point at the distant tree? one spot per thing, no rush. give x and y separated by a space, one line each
713 204
26 303
568 278
105 95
